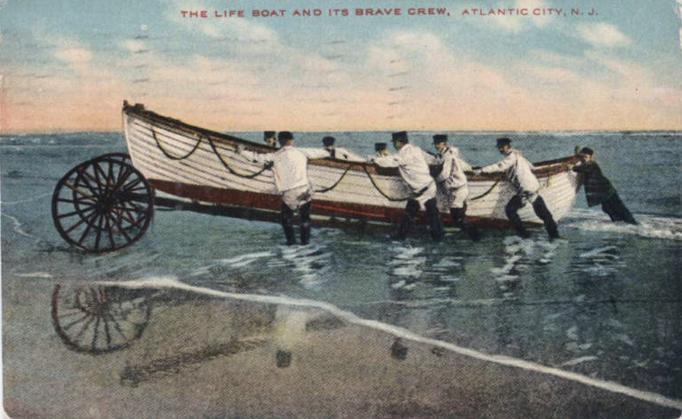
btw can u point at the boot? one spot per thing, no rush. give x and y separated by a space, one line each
511 210
433 218
459 220
304 212
543 213
407 222
287 219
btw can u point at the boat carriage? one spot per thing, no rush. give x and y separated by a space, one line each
107 203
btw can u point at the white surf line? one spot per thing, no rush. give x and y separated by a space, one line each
17 225
26 200
34 275
406 334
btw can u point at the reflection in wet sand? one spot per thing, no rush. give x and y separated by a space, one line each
98 320
215 354
135 374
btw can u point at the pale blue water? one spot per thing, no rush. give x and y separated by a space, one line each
606 301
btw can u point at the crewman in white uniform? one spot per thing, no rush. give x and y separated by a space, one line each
411 162
290 170
519 172
454 182
339 153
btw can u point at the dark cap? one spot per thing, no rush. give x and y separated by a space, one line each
379 147
400 136
440 138
268 134
284 136
503 141
328 141
586 150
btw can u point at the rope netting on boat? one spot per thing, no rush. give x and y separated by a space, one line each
215 151
223 161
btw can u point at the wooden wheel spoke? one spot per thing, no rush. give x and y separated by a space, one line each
87 324
79 191
136 207
128 210
123 174
131 185
69 214
116 214
86 200
73 227
107 333
87 183
87 229
99 172
117 326
110 173
130 217
75 322
122 230
95 334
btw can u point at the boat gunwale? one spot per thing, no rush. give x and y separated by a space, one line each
543 168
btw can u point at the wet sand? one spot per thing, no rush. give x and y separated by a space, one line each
203 356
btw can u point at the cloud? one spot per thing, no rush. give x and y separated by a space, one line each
133 45
602 35
241 28
552 74
515 23
73 55
553 58
443 88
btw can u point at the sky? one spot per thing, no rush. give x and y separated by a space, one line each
67 65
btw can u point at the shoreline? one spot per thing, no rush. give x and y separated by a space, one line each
214 355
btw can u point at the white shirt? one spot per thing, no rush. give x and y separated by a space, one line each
518 171
411 161
341 153
289 164
452 173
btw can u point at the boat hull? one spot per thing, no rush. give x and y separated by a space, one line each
202 167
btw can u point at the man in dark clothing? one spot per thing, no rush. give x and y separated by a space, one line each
598 189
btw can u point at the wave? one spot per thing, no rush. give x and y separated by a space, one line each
653 227
18 225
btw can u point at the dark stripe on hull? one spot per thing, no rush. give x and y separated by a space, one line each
265 207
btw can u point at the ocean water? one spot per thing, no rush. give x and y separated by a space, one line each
605 301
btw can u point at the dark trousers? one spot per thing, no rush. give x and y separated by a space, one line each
287 219
459 220
432 218
541 211
615 208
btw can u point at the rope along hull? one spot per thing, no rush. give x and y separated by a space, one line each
202 166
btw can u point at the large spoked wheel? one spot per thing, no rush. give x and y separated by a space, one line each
99 320
103 204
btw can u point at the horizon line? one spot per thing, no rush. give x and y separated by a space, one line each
496 131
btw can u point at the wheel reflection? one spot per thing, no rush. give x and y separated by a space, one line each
98 319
